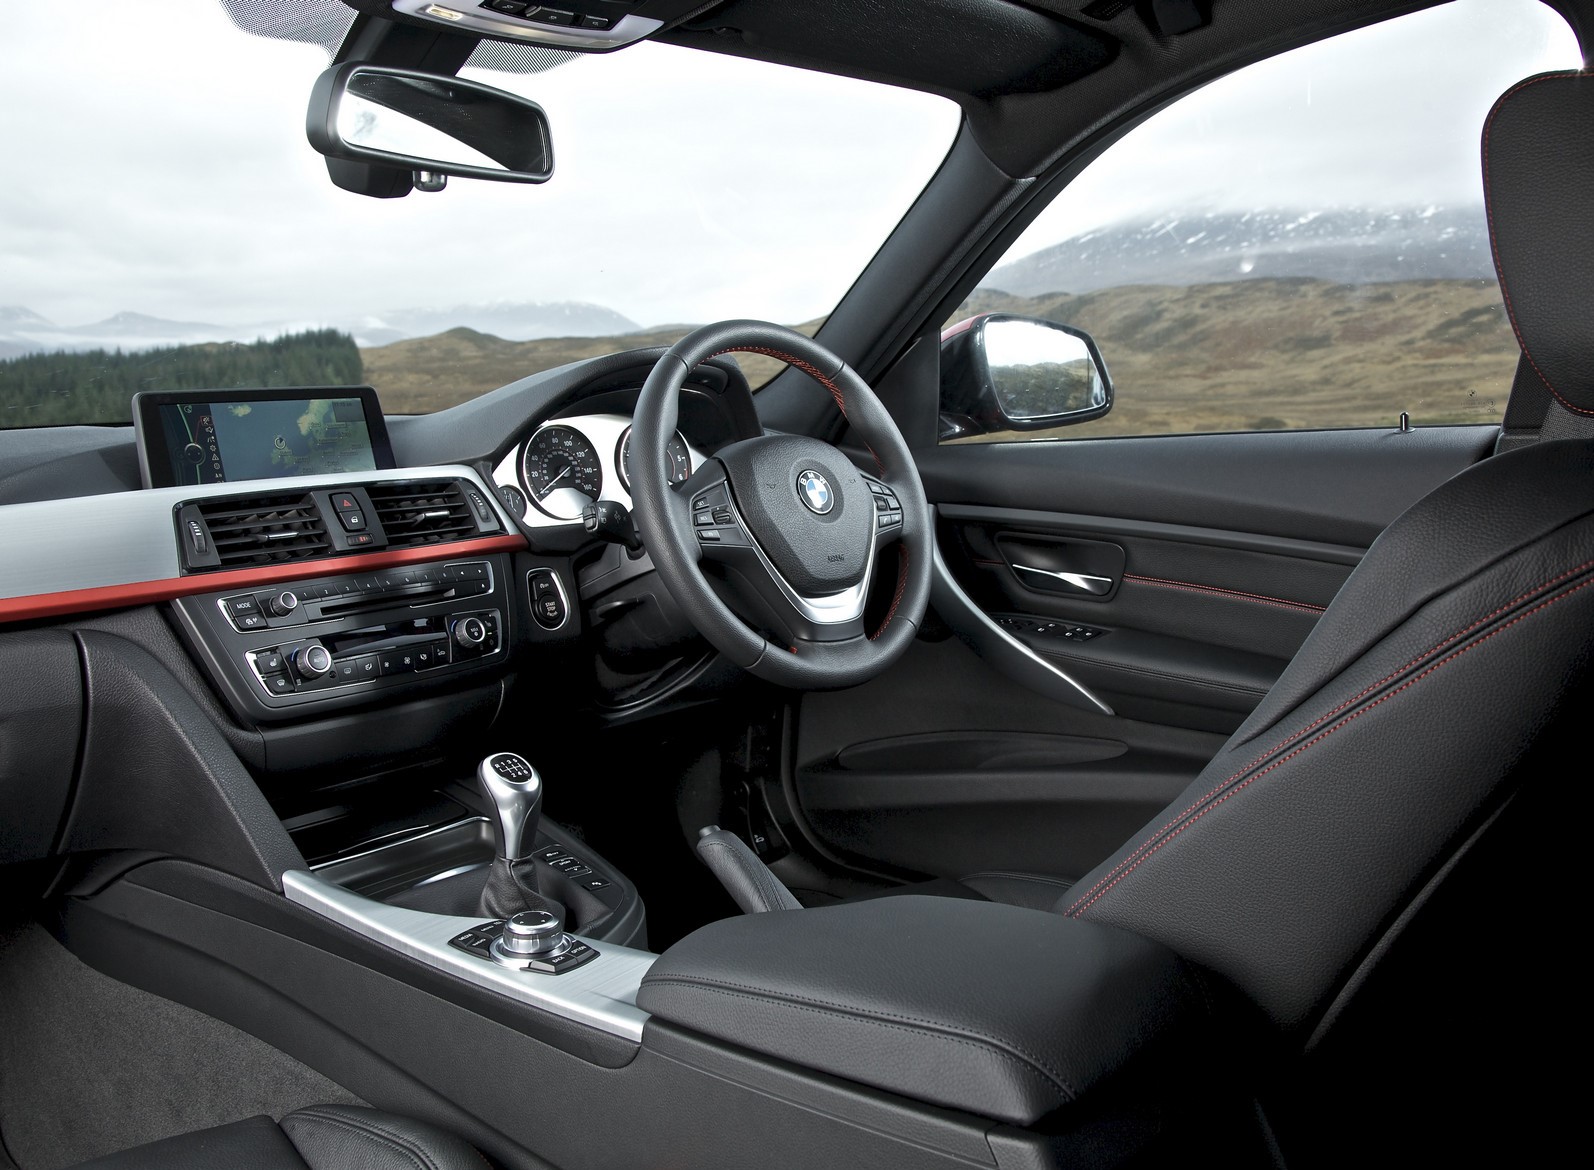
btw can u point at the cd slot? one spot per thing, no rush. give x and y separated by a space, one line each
418 594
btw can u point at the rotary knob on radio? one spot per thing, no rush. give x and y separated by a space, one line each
282 604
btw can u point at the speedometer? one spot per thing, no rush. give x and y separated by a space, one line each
562 472
677 460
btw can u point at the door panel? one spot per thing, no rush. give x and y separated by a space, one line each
944 767
1222 552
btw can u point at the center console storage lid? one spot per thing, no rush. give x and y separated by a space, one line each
997 1010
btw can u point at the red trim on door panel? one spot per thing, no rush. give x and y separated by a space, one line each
37 605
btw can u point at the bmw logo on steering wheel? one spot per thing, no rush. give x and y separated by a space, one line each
814 490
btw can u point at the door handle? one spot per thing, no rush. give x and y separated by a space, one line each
1077 582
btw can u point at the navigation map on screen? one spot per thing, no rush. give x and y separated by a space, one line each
266 439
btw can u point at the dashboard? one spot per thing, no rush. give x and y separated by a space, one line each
551 475
380 612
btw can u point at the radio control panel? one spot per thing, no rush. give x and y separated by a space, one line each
288 650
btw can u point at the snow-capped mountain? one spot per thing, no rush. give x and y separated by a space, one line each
24 331
1347 247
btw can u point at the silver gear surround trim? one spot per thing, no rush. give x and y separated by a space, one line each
601 994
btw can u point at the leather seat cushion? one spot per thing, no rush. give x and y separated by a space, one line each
322 1137
1033 891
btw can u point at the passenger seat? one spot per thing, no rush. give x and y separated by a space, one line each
321 1137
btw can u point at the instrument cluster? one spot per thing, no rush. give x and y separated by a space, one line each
568 463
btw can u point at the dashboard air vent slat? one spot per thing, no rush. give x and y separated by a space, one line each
265 530
422 512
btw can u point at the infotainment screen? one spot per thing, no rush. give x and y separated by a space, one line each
220 436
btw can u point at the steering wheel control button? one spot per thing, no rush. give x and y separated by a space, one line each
703 519
711 535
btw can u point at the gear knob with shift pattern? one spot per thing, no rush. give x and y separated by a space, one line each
515 791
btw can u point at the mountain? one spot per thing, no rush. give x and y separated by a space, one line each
1344 247
24 331
512 322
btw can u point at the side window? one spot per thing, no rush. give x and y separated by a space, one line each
1301 244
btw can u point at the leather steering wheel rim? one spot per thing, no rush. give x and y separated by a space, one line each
665 519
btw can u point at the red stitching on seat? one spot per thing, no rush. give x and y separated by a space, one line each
1216 590
1098 891
811 371
1077 907
1494 246
902 583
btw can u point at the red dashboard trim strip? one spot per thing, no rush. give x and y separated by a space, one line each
38 605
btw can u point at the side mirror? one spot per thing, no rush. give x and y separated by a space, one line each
1005 373
421 122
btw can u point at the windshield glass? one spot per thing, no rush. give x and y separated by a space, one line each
167 226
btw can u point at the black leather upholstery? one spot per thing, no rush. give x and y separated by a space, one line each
1460 639
322 1137
1006 1012
1538 178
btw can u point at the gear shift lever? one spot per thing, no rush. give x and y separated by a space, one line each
515 791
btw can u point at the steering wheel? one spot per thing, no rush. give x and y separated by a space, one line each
794 525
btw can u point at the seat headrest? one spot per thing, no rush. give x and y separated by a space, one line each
1538 186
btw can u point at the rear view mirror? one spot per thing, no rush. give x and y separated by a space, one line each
1005 373
422 122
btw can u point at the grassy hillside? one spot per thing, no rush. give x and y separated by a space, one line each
1287 353
428 373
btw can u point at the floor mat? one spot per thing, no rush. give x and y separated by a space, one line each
89 1066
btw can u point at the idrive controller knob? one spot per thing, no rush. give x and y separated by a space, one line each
530 934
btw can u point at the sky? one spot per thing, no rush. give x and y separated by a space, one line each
157 164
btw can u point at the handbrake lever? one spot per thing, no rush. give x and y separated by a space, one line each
749 882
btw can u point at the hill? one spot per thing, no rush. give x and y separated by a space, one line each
1287 353
430 373
24 331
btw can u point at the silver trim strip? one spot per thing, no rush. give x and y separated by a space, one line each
129 538
830 609
387 844
994 644
601 994
467 14
1084 582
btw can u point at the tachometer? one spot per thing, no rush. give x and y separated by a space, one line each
561 471
677 460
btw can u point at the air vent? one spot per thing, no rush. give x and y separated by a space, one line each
265 530
423 512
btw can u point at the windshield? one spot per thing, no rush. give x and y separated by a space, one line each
168 227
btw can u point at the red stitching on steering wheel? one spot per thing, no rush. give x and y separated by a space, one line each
811 371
